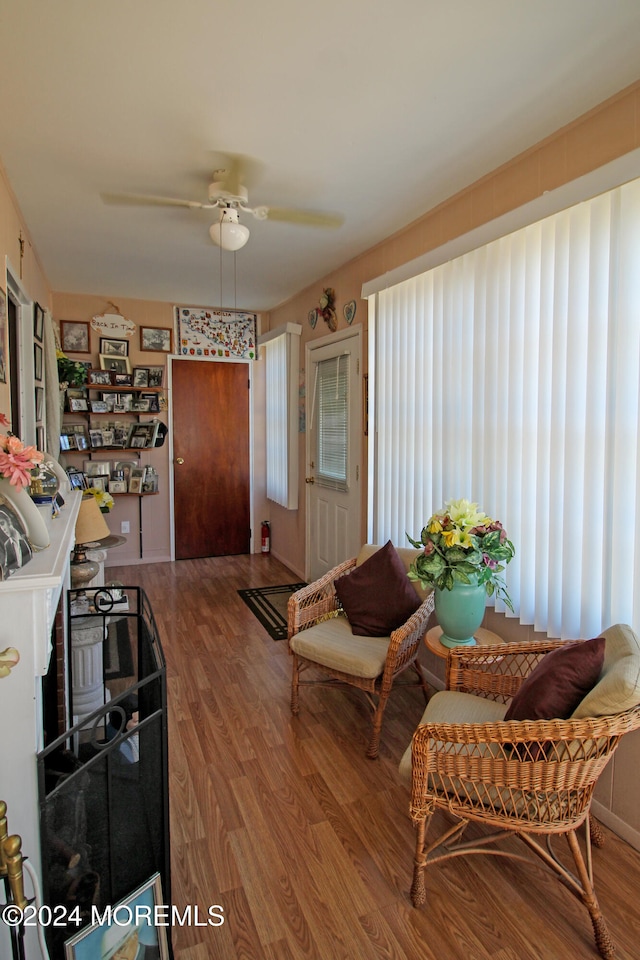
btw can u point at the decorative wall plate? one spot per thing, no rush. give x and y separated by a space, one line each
349 311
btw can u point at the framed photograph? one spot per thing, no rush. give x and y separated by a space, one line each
156 339
143 435
114 348
78 404
135 485
75 336
14 546
156 376
3 336
74 437
99 406
38 322
77 478
137 472
37 361
97 468
154 401
115 364
140 406
39 403
117 486
141 376
125 467
100 483
125 940
121 434
96 438
101 378
122 379
40 438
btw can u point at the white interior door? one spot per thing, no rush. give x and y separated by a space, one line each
334 431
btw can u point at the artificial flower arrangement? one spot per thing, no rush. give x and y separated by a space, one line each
71 373
463 544
16 460
102 498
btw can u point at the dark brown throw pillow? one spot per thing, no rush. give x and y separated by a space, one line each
377 596
560 681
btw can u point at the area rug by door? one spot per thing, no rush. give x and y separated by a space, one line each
269 605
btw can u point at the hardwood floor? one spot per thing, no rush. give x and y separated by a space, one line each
305 843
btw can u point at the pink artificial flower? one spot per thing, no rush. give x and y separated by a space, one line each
3 421
429 547
16 464
488 562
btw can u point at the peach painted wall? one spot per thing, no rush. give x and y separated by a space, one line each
32 278
155 510
599 136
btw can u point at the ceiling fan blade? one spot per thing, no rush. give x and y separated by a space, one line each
308 218
142 199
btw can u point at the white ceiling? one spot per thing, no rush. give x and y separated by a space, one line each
376 109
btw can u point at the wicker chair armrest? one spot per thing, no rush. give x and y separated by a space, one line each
315 601
404 643
495 671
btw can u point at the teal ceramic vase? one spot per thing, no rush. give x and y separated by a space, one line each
460 612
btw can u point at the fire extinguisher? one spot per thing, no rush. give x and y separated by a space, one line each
266 537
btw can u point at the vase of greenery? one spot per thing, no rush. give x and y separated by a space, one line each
464 553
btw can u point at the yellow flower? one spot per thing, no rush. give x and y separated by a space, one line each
464 513
435 525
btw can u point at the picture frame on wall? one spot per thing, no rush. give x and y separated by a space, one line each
114 348
125 939
37 362
156 339
3 336
39 396
141 376
100 377
75 336
38 322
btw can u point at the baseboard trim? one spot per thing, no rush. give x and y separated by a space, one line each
619 827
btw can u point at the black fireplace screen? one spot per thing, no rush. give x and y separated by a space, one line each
103 785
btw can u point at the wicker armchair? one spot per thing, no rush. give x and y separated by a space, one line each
320 639
532 779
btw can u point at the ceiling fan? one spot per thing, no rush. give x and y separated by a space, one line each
229 196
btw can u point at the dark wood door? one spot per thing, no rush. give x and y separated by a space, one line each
210 458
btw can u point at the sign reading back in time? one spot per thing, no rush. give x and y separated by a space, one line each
113 325
216 334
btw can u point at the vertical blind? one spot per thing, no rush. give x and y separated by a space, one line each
332 398
510 376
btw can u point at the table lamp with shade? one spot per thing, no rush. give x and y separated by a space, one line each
91 527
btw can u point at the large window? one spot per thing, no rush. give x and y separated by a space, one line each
510 376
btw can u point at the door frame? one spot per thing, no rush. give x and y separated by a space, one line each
172 529
24 424
354 332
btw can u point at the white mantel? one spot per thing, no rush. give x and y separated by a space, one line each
28 603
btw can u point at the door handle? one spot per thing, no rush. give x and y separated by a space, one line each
310 480
180 460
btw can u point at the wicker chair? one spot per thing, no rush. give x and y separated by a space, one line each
320 638
530 779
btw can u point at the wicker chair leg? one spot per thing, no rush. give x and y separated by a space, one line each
597 836
418 889
423 682
295 683
604 943
374 742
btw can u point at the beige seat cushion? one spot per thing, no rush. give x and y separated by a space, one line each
449 706
332 644
618 688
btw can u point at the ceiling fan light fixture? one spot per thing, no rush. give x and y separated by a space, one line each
229 233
